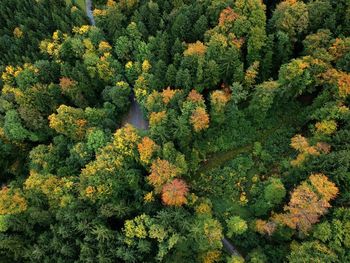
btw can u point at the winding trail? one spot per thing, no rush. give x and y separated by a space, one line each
136 118
217 159
88 4
230 248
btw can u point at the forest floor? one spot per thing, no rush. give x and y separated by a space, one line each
218 159
80 3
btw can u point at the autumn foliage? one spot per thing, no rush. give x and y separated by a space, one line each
17 32
211 256
301 144
146 149
326 127
324 188
197 48
219 97
339 48
167 131
104 46
66 83
199 119
344 85
323 147
168 94
161 172
340 79
69 121
11 201
227 16
195 96
308 203
265 227
157 117
174 193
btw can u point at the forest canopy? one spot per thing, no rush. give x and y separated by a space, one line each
175 131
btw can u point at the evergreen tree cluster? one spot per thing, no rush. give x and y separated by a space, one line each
246 157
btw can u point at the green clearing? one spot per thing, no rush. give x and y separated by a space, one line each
80 3
218 159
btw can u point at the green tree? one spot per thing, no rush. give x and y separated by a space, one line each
236 226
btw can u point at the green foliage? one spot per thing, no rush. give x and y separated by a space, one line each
292 18
4 223
311 252
257 256
20 34
274 192
236 226
96 139
13 127
235 104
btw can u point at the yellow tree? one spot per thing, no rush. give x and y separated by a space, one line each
199 119
69 121
326 127
11 201
251 74
105 175
299 143
218 101
325 188
157 117
302 145
168 94
17 32
197 48
146 149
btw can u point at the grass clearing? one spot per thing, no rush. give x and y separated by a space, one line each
80 3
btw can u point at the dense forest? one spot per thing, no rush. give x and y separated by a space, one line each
245 151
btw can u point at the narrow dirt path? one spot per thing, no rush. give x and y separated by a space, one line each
218 159
134 116
88 5
230 248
